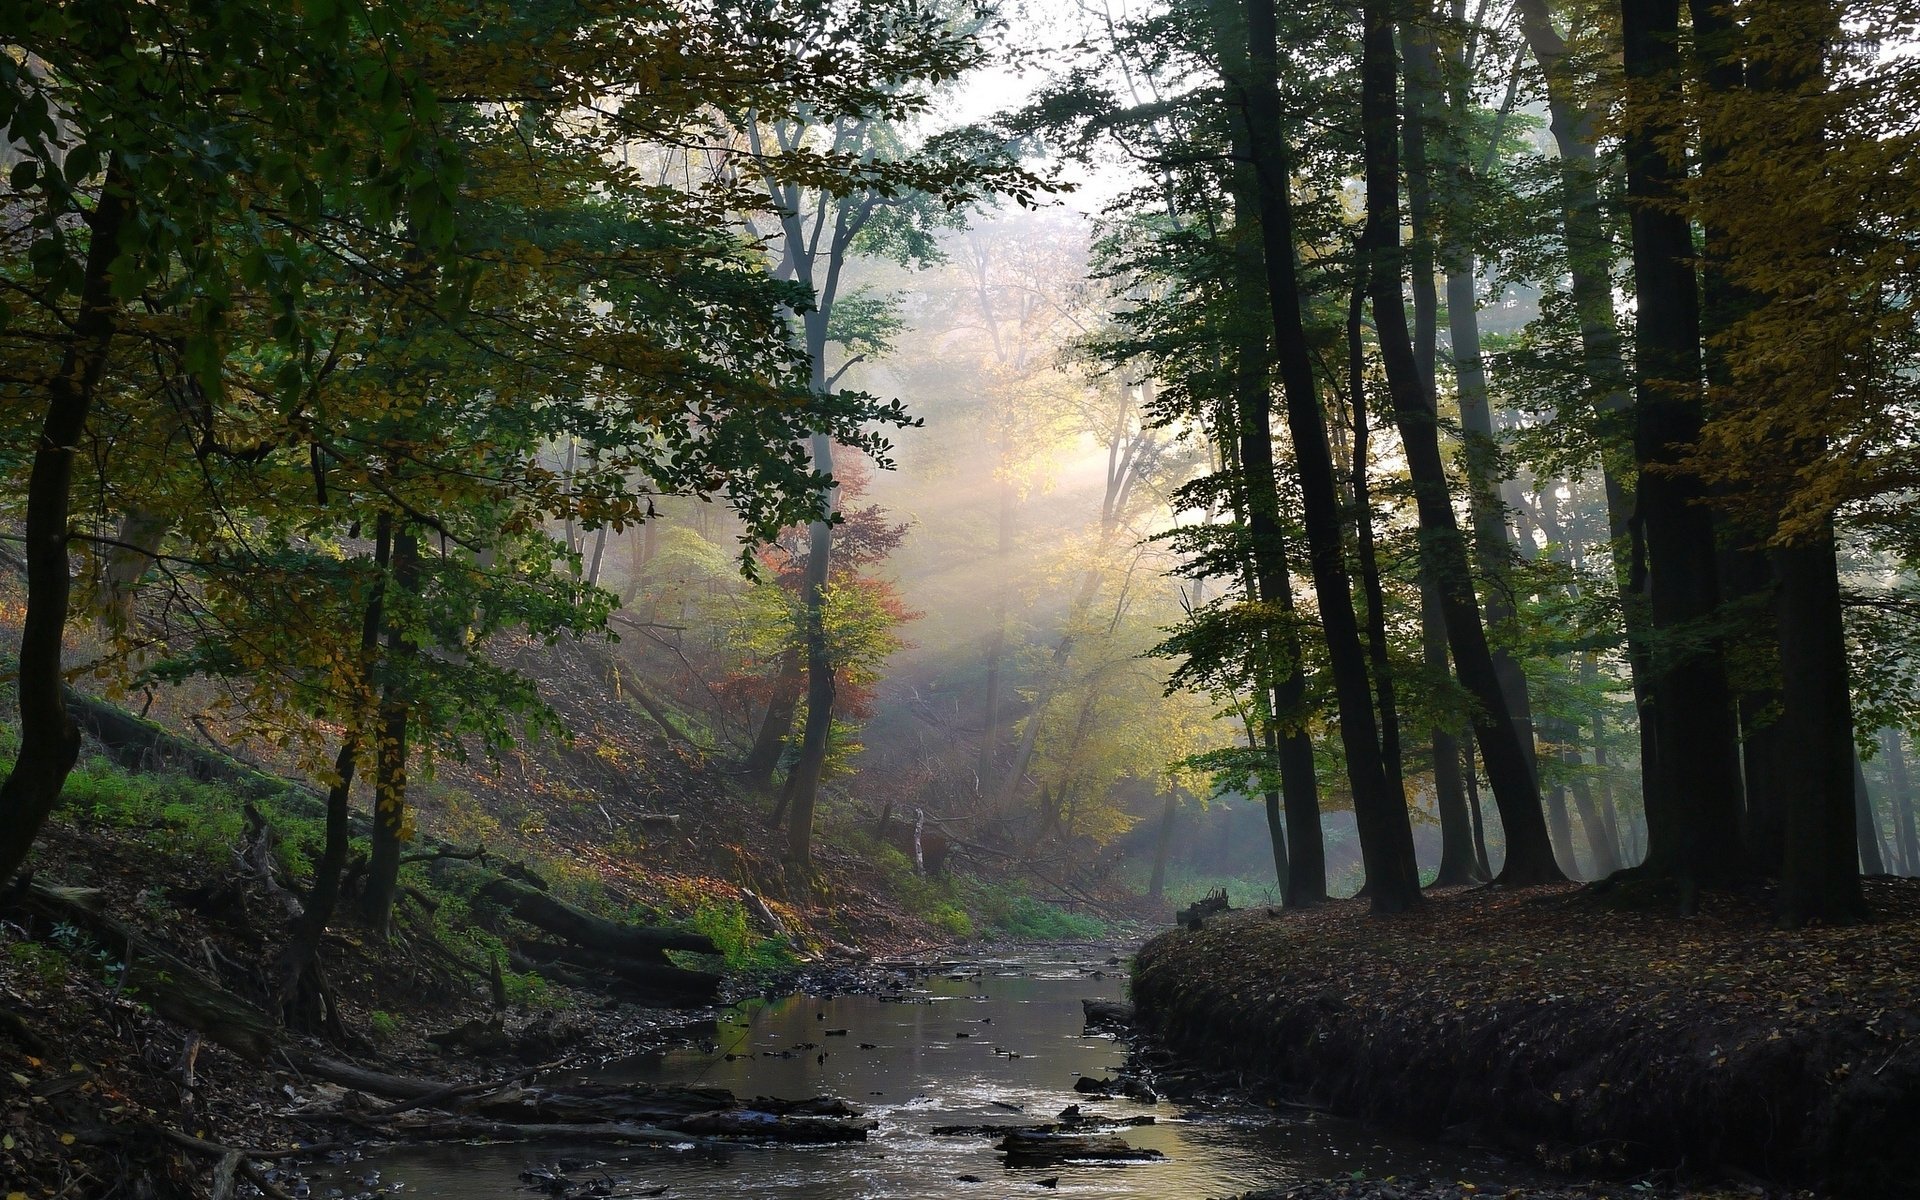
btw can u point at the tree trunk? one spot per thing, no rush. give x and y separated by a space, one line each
1493 548
1560 829
991 733
1900 788
804 782
1376 809
1589 268
49 740
1156 886
1457 862
599 555
1277 838
1479 819
768 743
299 990
1873 859
1693 792
1529 853
125 564
1820 875
1386 705
390 753
1600 844
1300 861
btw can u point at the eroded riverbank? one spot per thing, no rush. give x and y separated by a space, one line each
1580 1037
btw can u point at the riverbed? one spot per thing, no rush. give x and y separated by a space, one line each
995 1041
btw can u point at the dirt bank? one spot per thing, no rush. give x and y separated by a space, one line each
1585 1036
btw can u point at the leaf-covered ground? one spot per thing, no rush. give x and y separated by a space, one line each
1588 1035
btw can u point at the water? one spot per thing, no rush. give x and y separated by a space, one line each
922 1074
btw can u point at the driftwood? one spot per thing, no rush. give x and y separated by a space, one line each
1025 1149
617 1112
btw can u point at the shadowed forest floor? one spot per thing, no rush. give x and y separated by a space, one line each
1588 1036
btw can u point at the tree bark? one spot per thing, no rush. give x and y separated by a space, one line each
1873 860
1376 809
768 743
49 739
1300 862
1515 791
1820 874
1693 792
1458 864
1589 268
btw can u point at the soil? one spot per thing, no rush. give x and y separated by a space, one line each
1583 1035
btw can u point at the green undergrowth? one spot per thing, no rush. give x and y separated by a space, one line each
965 906
747 954
196 826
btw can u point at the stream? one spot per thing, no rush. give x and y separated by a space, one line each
990 1041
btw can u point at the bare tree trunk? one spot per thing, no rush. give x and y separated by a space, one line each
599 553
1300 861
1379 813
49 739
124 564
1828 810
1529 853
1694 794
1387 707
1589 267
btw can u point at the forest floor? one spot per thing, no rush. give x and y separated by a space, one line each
1582 1033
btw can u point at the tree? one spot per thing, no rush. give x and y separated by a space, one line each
148 133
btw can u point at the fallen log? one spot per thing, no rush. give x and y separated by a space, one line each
442 1127
177 990
525 902
659 982
589 1109
772 1127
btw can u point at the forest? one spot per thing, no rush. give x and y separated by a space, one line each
525 517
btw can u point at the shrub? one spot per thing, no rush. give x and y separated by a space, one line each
744 951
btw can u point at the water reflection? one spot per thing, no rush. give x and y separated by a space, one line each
995 1042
